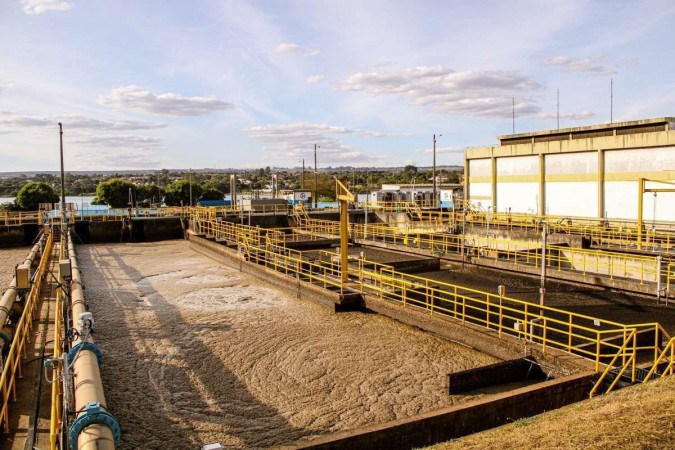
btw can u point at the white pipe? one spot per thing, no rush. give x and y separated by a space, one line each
86 374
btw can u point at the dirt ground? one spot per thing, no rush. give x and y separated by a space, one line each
9 258
592 301
195 352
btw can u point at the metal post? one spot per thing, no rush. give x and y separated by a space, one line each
542 287
63 185
641 190
433 175
303 174
190 187
463 231
659 262
315 184
233 190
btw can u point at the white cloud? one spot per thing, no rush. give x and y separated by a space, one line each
35 7
6 85
296 140
444 150
590 66
117 158
311 53
286 48
314 79
477 93
568 116
119 151
114 141
11 121
140 99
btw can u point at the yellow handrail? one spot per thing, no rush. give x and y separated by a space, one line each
56 413
628 355
590 337
670 367
17 350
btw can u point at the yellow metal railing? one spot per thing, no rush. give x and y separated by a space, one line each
628 356
610 345
17 350
668 354
19 217
641 268
614 232
56 412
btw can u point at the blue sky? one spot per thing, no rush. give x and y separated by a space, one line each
206 83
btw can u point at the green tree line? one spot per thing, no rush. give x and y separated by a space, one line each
173 188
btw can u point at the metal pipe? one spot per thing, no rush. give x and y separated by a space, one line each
99 433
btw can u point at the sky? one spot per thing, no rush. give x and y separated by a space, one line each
246 84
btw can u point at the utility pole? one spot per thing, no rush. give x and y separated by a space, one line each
513 115
315 183
63 186
303 174
433 174
190 187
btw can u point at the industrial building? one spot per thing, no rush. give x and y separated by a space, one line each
447 193
590 171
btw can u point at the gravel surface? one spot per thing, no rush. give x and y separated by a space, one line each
9 258
195 352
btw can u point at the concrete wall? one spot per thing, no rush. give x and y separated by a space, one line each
18 235
457 421
479 173
572 184
503 372
582 177
518 184
622 169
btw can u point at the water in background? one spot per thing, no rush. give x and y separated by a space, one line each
81 201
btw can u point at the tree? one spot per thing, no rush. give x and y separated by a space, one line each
32 194
178 193
114 192
211 194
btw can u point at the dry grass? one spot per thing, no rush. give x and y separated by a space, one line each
639 417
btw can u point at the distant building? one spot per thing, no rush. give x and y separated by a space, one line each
447 194
587 171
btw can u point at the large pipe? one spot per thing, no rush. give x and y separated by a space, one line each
9 297
94 428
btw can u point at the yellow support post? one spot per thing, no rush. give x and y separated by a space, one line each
641 191
344 197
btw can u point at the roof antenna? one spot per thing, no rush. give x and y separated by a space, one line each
611 100
558 106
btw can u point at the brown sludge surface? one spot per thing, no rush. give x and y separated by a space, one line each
195 352
9 258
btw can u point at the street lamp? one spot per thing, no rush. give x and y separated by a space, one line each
315 183
191 187
433 174
63 184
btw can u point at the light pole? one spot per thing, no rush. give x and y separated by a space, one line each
190 187
303 174
63 184
433 174
315 183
